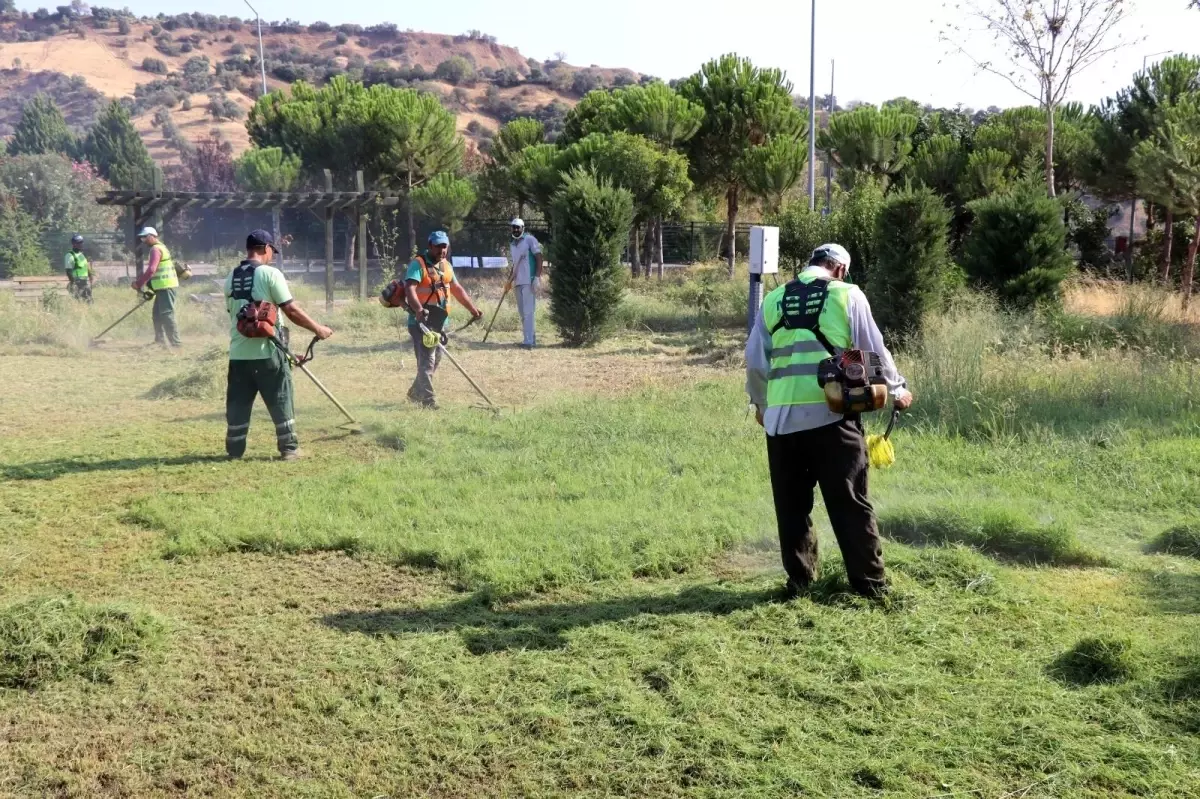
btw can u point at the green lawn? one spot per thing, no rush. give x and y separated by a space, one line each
579 594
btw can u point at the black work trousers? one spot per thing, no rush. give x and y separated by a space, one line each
833 457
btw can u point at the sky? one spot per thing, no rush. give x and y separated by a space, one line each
882 48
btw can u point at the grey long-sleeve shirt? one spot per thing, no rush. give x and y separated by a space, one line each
793 418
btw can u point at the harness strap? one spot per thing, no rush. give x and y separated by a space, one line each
797 288
439 287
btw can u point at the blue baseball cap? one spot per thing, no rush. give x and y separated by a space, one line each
259 238
439 237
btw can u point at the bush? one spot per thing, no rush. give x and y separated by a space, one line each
21 250
341 38
123 27
1017 246
912 265
320 27
1095 661
996 531
456 70
591 223
1183 540
49 639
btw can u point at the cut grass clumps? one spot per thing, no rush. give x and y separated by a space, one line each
1183 540
47 639
1095 661
205 379
997 531
955 566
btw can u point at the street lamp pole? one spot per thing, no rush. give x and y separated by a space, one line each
262 63
812 115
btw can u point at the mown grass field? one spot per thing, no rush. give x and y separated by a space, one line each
579 595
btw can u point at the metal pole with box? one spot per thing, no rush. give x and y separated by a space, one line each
764 260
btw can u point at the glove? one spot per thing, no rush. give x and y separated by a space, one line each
147 294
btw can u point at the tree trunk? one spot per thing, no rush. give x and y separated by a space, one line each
731 205
658 239
412 224
276 232
351 238
648 249
634 259
1164 271
1189 269
1049 144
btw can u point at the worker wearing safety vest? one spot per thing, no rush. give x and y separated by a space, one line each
807 443
162 279
428 282
79 272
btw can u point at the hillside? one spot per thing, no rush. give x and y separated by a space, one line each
188 63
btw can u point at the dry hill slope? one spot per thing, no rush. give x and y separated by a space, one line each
80 61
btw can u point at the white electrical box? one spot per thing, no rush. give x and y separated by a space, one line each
764 250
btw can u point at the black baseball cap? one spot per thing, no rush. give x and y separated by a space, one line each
259 238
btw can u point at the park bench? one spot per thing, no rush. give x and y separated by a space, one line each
31 288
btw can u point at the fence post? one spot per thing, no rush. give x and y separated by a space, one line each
328 244
362 240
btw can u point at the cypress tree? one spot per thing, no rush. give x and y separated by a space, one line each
41 130
117 151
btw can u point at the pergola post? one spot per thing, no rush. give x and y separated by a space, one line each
362 240
328 244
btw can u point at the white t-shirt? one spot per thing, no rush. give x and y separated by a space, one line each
524 252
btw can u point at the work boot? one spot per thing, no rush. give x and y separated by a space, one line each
291 455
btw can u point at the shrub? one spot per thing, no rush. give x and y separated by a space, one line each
1183 540
320 27
1017 246
996 531
341 37
1095 661
123 27
800 232
591 222
21 250
49 639
456 70
912 265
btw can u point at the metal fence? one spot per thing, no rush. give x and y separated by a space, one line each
198 236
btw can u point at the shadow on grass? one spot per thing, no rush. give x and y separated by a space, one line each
542 627
369 349
53 469
994 531
1172 592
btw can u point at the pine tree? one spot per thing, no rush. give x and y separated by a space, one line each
41 130
591 224
117 151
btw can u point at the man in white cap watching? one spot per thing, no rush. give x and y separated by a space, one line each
526 254
161 277
801 324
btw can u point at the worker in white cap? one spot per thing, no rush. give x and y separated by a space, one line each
526 279
809 320
162 279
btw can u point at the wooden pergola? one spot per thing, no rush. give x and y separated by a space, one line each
159 207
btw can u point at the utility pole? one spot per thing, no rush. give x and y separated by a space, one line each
262 63
812 115
829 161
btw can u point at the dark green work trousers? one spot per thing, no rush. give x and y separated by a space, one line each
272 378
165 329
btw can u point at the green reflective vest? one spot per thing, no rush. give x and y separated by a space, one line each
795 354
164 277
79 265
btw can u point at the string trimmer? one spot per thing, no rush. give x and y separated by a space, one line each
300 363
147 295
431 339
880 451
507 287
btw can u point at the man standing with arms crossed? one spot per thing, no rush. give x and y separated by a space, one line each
163 281
526 254
807 443
256 366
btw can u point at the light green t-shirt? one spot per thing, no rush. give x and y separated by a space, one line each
269 285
